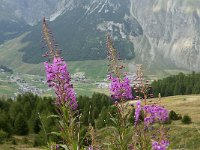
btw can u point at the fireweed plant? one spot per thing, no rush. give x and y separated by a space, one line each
58 78
121 91
150 132
146 133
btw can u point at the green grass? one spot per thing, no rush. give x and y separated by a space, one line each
94 69
185 105
7 89
88 89
22 143
182 136
12 57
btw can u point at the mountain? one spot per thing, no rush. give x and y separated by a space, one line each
82 27
171 32
162 34
10 29
17 16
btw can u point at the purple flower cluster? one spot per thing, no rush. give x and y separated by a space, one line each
152 113
90 148
120 89
160 146
155 113
58 77
55 147
137 111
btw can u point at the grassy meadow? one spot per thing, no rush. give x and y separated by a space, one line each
185 137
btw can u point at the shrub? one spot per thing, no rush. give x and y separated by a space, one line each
3 136
25 140
174 116
40 139
14 142
186 119
179 117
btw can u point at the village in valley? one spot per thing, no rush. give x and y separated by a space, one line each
14 83
23 83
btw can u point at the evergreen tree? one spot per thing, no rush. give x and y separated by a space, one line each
103 118
178 85
196 89
5 122
177 89
34 123
188 89
20 125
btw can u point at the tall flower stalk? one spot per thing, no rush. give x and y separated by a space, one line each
150 133
58 78
120 90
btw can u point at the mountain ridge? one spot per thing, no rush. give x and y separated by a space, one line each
152 33
83 29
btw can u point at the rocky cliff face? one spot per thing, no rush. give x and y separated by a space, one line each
171 32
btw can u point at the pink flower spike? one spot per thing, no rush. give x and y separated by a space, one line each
58 77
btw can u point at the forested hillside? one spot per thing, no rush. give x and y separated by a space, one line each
29 114
181 84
